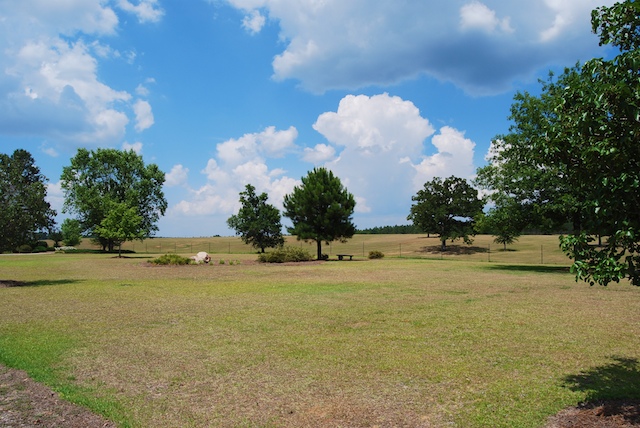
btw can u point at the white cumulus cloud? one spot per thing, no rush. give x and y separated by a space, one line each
254 22
50 83
319 154
476 15
240 162
454 157
377 137
145 10
178 176
144 115
136 147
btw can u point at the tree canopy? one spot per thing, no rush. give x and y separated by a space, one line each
98 181
576 149
321 209
24 211
446 207
257 222
122 223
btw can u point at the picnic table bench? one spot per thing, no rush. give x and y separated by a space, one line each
342 256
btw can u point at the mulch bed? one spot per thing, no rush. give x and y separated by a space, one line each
25 403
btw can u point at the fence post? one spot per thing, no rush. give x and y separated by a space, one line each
489 253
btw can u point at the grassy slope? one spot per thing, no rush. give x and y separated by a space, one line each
363 343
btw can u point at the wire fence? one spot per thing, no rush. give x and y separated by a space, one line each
529 249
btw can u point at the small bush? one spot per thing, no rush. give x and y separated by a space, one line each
324 257
376 254
172 259
286 254
24 248
39 249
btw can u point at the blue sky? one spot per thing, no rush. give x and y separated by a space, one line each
220 93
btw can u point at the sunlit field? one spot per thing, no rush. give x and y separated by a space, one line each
528 249
469 338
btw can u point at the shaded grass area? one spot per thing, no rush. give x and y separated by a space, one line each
400 342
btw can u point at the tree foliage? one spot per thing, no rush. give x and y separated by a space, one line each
504 222
99 181
71 230
320 209
121 224
580 142
23 208
447 207
258 223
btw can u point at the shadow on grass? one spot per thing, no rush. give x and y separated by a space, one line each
619 379
6 283
612 392
530 268
454 249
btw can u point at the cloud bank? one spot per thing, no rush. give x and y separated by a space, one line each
49 81
480 46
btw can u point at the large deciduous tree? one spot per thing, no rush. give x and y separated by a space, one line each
23 208
320 209
446 207
257 222
583 142
97 181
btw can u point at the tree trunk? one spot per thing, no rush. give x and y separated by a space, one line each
120 250
444 245
319 245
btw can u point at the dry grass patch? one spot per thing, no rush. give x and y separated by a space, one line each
393 342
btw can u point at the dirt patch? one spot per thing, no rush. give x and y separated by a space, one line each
25 403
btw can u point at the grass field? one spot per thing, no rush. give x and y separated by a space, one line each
529 249
403 341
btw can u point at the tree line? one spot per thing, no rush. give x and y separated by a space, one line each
571 156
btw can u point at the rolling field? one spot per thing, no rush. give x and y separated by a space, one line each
414 341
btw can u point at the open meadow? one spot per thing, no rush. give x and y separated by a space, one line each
472 338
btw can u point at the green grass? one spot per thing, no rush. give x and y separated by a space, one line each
398 341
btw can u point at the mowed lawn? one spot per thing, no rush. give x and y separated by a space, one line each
391 342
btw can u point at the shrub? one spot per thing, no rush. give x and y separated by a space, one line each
25 248
39 249
376 254
172 259
286 254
